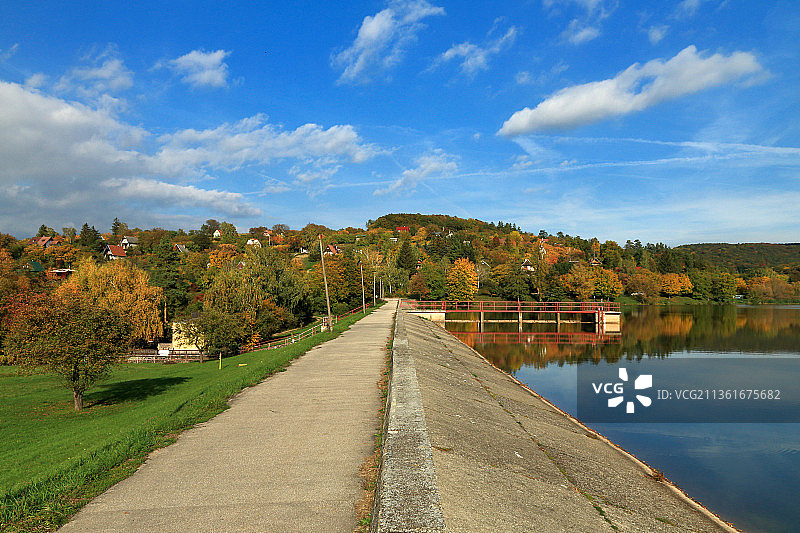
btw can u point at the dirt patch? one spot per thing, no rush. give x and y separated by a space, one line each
371 467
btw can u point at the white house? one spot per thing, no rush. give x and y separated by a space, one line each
129 242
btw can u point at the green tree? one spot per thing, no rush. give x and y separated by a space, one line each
217 332
118 229
44 231
434 279
229 233
71 337
90 240
201 240
723 286
406 259
510 282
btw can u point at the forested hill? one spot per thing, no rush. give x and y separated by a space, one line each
417 220
746 255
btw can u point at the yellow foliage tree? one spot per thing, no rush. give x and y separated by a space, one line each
122 288
462 280
675 284
606 284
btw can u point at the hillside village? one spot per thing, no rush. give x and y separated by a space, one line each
254 285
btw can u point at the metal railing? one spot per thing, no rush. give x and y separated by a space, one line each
319 327
493 306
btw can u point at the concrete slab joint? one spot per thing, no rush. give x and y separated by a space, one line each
407 498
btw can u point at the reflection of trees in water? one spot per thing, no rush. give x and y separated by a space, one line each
655 331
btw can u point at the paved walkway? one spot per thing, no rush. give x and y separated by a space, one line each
284 457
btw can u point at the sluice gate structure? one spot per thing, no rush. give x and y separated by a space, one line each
606 316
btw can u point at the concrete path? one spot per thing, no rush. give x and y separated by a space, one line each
284 457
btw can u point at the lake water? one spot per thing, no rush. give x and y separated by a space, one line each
747 473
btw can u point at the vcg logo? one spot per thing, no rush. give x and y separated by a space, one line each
645 381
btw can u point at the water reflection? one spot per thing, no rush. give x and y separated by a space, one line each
747 473
647 331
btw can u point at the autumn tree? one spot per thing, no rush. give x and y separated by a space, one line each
579 281
644 284
70 336
223 256
606 284
120 288
674 284
417 287
462 280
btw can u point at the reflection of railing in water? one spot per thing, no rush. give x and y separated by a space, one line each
605 315
537 337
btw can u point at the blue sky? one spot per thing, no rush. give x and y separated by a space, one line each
676 122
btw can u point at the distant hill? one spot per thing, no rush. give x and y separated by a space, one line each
416 220
746 255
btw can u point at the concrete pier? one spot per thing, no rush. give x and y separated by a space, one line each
504 459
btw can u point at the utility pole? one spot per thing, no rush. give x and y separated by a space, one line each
374 275
363 298
325 280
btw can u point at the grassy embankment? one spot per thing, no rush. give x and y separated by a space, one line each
53 459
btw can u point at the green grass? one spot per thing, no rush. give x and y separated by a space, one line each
54 459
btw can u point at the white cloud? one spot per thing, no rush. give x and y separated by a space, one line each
58 158
474 57
5 55
522 162
588 5
110 75
35 80
687 8
526 78
434 163
579 32
656 33
202 69
274 186
160 193
104 73
252 141
635 89
382 40
43 137
586 25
